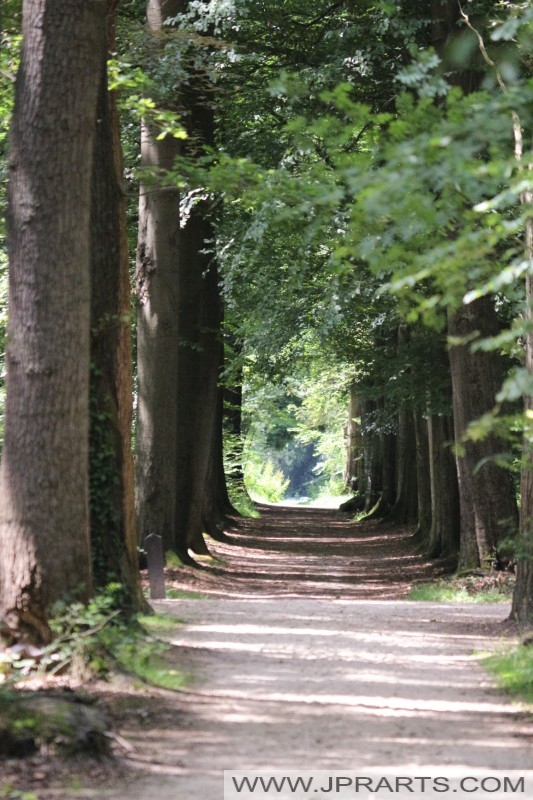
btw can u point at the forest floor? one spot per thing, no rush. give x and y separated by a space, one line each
303 654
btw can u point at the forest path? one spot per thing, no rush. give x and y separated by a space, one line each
305 656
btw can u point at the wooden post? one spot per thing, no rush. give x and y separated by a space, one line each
156 564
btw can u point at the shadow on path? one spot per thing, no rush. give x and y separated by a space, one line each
306 656
308 552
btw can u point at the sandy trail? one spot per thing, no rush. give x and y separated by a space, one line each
306 656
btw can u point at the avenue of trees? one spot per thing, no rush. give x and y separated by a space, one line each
226 221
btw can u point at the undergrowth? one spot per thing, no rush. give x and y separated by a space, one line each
96 640
513 670
8 792
490 587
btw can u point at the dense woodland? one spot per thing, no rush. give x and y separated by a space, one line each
240 231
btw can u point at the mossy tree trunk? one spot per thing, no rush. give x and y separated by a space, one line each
112 490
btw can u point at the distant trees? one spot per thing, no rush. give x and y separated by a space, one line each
354 190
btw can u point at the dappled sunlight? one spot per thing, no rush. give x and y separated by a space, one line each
308 552
305 656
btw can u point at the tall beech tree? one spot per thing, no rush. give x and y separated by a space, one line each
111 474
157 278
44 503
522 609
488 511
180 489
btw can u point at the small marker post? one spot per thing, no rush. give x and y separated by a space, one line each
156 564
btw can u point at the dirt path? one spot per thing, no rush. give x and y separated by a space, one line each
306 657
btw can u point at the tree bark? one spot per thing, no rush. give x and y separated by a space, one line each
444 536
486 492
111 474
44 504
232 419
372 456
198 372
405 508
354 470
179 344
157 278
487 502
522 609
218 506
423 476
387 480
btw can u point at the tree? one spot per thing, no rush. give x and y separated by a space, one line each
181 488
157 278
111 473
522 609
486 490
44 504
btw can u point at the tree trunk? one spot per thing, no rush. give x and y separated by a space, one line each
373 469
112 498
44 503
444 536
354 470
423 476
522 609
232 421
486 492
199 453
405 509
387 480
157 278
218 504
198 373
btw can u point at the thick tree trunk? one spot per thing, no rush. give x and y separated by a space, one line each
157 277
372 456
423 476
179 345
405 509
218 503
199 445
198 373
522 609
487 503
387 480
354 470
486 492
44 503
112 491
232 427
444 537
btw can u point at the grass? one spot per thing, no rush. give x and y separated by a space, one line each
143 651
513 670
513 667
491 587
9 792
93 641
182 594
